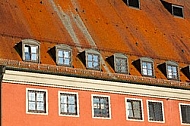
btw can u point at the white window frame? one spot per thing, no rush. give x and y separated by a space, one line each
92 52
181 113
105 96
162 111
172 64
147 60
121 56
63 47
126 108
77 99
46 100
177 6
30 43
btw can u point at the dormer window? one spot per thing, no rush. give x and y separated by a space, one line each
132 3
177 10
118 62
63 55
30 50
172 70
91 59
147 67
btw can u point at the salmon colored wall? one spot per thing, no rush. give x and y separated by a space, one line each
14 109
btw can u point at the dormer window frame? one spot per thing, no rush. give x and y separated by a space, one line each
27 48
63 49
147 61
93 60
173 65
121 57
127 2
177 6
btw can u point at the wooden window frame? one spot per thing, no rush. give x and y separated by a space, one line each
181 116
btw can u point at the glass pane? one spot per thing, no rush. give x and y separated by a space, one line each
33 49
90 64
40 96
27 56
95 100
95 58
60 53
60 60
151 112
144 65
89 57
66 54
158 111
40 106
34 57
72 109
64 108
31 106
67 61
63 99
145 72
71 100
96 64
26 49
149 65
31 96
174 69
150 72
130 112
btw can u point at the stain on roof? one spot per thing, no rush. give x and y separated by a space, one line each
109 26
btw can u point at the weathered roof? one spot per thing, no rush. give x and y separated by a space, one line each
109 26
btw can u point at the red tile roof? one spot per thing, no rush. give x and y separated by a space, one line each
108 26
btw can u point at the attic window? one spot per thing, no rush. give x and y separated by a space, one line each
91 59
172 70
63 55
30 50
132 3
118 62
177 10
147 68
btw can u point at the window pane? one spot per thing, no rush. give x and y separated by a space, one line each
155 111
60 53
40 106
145 72
60 60
185 113
34 57
66 54
40 96
89 57
144 65
64 108
63 99
90 64
33 49
31 96
71 100
95 58
67 62
72 109
31 106
150 72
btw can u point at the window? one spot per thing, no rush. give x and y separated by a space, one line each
93 61
36 101
185 113
155 111
121 63
172 70
100 105
134 109
30 49
177 10
147 67
63 55
68 104
132 3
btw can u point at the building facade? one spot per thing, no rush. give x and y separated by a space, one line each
95 62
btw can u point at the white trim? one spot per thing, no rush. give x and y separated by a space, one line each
37 79
77 98
162 111
92 95
181 113
142 110
34 89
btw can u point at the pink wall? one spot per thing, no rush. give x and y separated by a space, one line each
14 109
